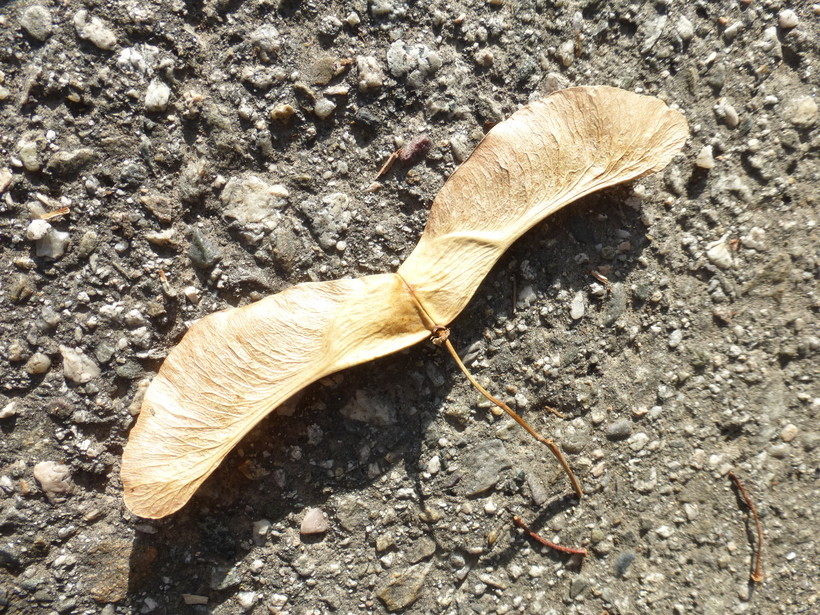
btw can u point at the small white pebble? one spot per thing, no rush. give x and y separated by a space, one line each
314 522
789 432
37 229
787 19
705 159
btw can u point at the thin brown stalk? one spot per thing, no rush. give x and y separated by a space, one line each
757 574
576 485
573 551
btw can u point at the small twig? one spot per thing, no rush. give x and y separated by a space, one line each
53 214
441 337
572 551
600 277
555 412
757 574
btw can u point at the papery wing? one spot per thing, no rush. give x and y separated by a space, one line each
543 157
234 367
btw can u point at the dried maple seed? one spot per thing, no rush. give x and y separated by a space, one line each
234 367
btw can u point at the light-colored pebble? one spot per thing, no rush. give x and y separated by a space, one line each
246 599
685 29
54 478
371 76
157 96
36 21
314 522
9 410
577 308
323 108
194 599
802 112
755 239
566 53
720 253
705 158
94 30
37 229
38 364
788 19
789 432
77 366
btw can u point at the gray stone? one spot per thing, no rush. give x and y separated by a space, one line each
366 408
685 29
619 430
483 466
617 304
36 21
224 577
69 163
423 548
203 252
403 588
577 587
623 562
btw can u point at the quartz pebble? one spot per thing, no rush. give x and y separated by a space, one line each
719 253
314 522
77 366
9 410
705 158
54 478
787 19
246 599
371 77
157 96
789 432
94 30
577 309
323 108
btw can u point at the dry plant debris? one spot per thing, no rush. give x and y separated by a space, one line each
756 574
234 367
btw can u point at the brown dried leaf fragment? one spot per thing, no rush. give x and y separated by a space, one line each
234 367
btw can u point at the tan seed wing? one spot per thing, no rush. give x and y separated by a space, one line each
545 156
233 367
